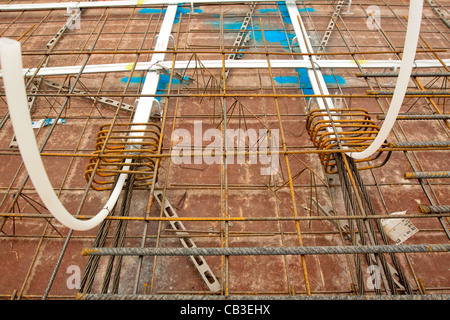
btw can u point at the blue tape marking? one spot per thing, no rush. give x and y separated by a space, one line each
180 11
304 81
284 11
162 84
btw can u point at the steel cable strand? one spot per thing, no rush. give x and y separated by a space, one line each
351 207
88 277
380 228
379 259
368 223
119 237
369 208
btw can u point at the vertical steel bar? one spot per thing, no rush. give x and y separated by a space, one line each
291 184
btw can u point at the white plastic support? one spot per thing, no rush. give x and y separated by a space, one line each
294 40
349 8
192 8
171 38
156 111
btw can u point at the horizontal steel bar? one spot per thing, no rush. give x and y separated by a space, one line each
399 146
427 175
418 117
226 51
411 92
395 74
234 219
419 144
434 209
99 296
222 95
245 251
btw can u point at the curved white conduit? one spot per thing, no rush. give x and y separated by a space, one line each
409 52
11 62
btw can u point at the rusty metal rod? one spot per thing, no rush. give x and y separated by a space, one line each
434 209
258 251
98 296
103 52
419 117
234 219
427 175
419 144
395 74
398 146
370 94
411 92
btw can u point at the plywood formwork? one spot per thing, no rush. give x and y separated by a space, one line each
229 204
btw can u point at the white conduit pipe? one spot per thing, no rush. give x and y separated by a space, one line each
409 52
11 62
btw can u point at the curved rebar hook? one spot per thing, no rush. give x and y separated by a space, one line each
409 52
11 62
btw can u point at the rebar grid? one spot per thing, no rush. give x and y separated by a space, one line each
291 201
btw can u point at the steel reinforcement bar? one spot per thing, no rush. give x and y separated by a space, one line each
434 209
427 175
240 251
93 296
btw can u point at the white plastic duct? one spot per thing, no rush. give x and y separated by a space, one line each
409 52
11 62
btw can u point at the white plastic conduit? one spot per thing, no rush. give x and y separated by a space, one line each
11 62
409 52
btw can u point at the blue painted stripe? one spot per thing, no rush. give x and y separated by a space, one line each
305 83
163 83
180 11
